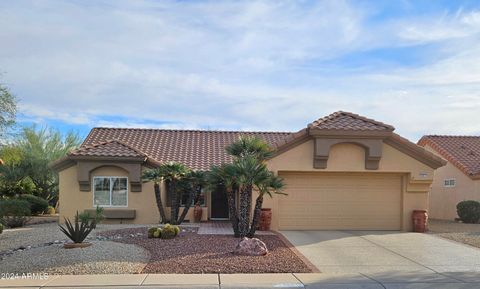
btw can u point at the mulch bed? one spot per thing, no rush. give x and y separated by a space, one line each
191 253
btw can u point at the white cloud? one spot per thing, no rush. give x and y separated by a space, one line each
236 65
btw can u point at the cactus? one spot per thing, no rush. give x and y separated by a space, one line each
151 231
157 233
168 232
177 230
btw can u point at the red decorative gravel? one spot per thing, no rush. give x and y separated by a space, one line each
193 253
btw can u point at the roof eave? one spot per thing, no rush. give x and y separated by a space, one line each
415 151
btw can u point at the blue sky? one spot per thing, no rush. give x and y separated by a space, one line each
249 65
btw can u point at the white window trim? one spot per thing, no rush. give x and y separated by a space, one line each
108 206
449 180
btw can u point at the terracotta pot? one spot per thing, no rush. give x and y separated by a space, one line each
265 219
76 245
420 221
197 213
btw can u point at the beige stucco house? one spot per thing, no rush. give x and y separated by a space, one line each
457 181
342 171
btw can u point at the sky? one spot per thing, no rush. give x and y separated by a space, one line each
243 65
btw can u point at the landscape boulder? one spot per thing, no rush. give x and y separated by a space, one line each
251 247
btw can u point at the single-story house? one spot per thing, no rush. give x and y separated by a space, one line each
457 181
342 171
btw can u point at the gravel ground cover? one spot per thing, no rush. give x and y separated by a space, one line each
459 232
193 253
39 248
43 233
103 257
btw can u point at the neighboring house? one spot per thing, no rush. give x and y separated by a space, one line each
457 181
343 171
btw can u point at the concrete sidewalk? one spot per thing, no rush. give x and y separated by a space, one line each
313 280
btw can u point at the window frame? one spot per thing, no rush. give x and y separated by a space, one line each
449 185
111 187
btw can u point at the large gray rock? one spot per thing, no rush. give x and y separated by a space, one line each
251 247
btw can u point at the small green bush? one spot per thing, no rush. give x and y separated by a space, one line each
469 211
14 212
37 204
84 216
1 228
50 210
157 233
95 219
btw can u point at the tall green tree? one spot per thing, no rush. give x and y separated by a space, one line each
39 147
13 179
8 110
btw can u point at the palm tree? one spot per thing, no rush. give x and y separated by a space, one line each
194 182
170 173
268 184
249 172
225 176
156 176
250 146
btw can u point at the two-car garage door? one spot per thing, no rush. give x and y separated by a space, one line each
340 201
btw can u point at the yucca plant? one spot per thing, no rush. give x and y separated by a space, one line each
79 232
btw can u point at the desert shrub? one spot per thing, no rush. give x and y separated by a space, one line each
1 228
168 232
85 216
14 212
469 211
99 215
50 210
78 231
37 204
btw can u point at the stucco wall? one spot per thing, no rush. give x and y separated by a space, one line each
443 200
347 157
73 200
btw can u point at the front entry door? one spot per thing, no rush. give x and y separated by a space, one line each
219 204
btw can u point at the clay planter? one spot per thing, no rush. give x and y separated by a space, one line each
76 245
420 221
265 219
197 214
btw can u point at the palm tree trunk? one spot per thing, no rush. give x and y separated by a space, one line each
173 205
256 215
188 204
158 199
232 211
245 207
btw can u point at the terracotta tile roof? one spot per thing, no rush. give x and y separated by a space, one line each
461 151
342 120
110 148
196 149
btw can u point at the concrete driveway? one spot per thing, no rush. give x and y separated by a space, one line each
377 252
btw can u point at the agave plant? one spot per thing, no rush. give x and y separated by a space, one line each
78 232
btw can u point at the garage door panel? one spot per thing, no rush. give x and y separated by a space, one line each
340 201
